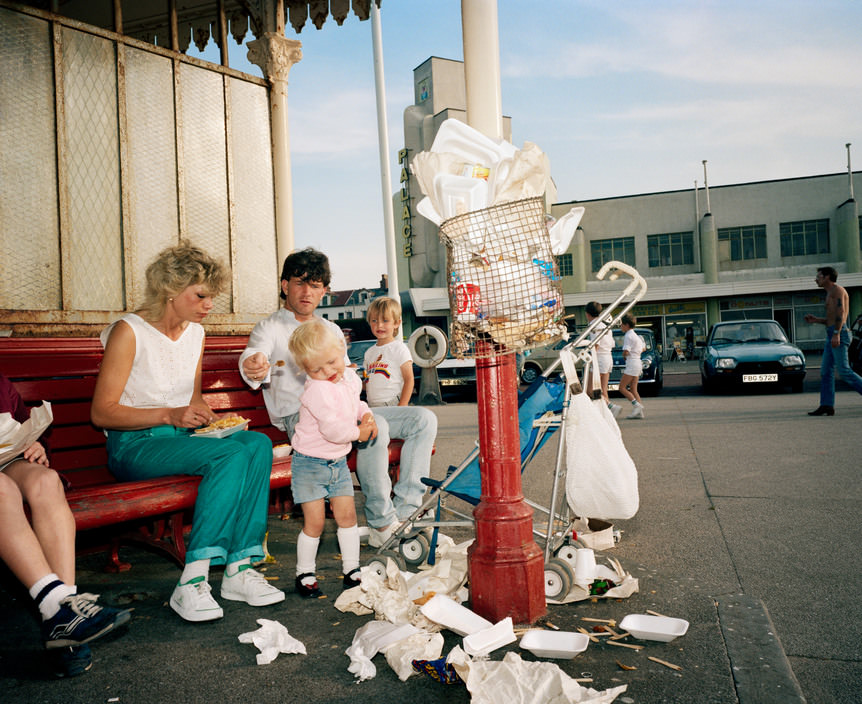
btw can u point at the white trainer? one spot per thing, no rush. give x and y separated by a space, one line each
637 412
616 410
193 601
376 537
251 587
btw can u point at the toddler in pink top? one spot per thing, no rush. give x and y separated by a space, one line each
331 418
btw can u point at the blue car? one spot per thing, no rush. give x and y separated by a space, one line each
747 354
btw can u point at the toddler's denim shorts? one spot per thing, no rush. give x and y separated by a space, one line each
314 478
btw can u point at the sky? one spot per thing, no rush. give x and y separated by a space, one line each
624 97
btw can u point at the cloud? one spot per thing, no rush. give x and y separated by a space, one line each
723 44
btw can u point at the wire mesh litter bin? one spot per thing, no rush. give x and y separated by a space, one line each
504 284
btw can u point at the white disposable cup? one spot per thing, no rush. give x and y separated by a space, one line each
585 567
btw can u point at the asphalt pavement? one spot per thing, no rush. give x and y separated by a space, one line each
747 528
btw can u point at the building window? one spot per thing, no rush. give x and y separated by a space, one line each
621 249
674 249
564 264
803 238
745 242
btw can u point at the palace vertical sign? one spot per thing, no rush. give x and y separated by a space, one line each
406 217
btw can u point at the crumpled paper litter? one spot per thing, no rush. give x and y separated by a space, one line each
271 639
516 681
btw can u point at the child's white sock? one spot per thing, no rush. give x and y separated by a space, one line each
306 553
196 568
48 592
233 567
348 542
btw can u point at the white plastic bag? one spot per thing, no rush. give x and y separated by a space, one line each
601 478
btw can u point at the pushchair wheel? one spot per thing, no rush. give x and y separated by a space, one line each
377 562
558 578
415 549
569 553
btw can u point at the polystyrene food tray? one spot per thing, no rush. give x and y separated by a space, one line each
555 644
647 627
222 432
447 612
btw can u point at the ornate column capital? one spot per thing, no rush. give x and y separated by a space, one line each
275 54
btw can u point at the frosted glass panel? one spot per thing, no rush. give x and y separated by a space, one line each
29 226
92 242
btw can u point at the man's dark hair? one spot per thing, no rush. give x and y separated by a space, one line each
829 273
629 320
593 308
307 265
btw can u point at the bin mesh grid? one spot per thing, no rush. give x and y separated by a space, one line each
504 284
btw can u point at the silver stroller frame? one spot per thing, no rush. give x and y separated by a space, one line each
410 543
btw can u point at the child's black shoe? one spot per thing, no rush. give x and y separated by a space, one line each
352 578
308 591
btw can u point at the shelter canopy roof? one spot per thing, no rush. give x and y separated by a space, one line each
173 24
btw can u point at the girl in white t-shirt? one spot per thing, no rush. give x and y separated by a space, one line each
633 347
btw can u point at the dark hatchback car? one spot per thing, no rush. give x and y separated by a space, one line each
652 376
750 354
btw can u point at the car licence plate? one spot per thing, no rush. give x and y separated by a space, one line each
454 382
613 387
748 378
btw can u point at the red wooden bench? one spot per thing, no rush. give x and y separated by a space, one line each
155 512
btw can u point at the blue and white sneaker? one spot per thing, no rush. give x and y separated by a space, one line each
71 661
80 620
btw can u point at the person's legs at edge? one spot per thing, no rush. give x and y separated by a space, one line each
42 558
417 426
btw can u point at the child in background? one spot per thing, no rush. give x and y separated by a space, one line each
328 416
633 347
388 364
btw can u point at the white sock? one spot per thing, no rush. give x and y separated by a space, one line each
348 542
232 569
306 553
196 568
49 603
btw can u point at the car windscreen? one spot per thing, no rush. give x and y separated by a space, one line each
745 331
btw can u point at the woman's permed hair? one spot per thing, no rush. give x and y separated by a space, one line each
312 338
384 306
175 269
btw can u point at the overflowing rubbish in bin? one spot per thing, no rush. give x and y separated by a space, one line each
503 280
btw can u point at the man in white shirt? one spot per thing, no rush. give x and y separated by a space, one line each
267 362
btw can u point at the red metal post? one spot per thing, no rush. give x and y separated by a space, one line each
506 566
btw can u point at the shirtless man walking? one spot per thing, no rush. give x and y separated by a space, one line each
837 341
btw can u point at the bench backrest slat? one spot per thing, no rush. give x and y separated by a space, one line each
64 370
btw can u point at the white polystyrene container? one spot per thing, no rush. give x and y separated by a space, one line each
445 611
554 644
648 627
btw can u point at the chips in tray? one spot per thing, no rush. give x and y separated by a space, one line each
222 424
